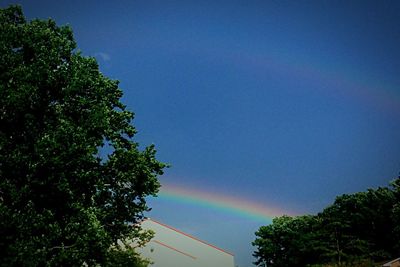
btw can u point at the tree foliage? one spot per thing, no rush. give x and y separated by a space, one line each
61 202
356 228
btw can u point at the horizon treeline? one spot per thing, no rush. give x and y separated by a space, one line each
359 229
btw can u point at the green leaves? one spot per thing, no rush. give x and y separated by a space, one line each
61 204
357 227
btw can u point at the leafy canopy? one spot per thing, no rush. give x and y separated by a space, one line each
356 230
61 203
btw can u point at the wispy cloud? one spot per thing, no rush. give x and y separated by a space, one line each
103 56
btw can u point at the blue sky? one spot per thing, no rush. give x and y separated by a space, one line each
287 103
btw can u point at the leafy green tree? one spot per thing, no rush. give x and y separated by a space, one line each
358 225
271 243
288 241
336 233
357 229
61 202
396 215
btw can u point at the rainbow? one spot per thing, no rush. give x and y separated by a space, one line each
331 80
238 206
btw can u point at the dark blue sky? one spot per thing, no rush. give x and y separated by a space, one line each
287 103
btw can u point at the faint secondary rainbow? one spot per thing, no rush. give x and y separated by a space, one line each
338 81
225 203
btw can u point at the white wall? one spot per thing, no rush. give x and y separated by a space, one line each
172 248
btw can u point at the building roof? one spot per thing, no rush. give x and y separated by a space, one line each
390 263
190 236
171 247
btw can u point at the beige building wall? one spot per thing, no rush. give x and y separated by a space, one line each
173 248
393 263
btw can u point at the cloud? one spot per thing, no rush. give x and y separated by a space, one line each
103 56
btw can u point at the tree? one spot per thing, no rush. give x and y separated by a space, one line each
357 229
359 225
396 214
288 241
61 202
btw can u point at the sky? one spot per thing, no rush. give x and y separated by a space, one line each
262 108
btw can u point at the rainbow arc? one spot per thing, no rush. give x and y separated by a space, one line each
225 203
